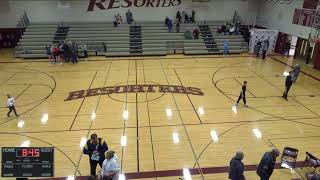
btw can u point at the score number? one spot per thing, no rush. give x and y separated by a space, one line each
29 153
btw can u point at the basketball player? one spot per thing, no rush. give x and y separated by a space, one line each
10 104
243 94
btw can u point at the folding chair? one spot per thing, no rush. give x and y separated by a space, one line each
289 158
311 161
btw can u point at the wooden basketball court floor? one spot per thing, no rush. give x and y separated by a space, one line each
165 132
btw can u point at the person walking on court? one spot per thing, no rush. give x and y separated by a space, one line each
288 85
243 94
236 167
265 47
296 72
10 104
95 148
267 163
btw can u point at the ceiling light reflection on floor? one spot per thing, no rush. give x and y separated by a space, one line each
214 135
93 116
123 141
25 143
70 177
125 114
20 124
186 174
169 112
121 177
201 110
44 118
257 133
83 142
285 73
234 109
175 137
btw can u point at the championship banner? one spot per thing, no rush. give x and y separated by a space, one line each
296 16
310 4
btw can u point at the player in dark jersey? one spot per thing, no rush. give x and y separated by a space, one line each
243 94
288 85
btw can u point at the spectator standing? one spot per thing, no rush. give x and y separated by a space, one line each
110 167
193 16
267 163
236 169
178 16
166 21
129 16
66 52
10 105
257 48
95 148
55 51
286 48
74 53
243 94
115 22
288 85
296 72
177 26
183 15
48 52
226 47
186 18
85 50
170 25
265 47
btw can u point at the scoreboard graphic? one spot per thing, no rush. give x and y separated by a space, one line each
27 162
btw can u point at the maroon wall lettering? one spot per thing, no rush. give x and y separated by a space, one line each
75 95
97 3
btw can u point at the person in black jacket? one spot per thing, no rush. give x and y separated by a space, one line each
288 85
267 163
95 148
236 167
243 94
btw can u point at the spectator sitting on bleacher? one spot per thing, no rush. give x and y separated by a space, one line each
196 33
166 21
170 25
231 30
188 34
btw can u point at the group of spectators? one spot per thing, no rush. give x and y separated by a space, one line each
180 18
194 34
118 18
99 153
228 28
65 51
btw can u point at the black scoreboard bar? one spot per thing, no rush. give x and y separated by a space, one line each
27 162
